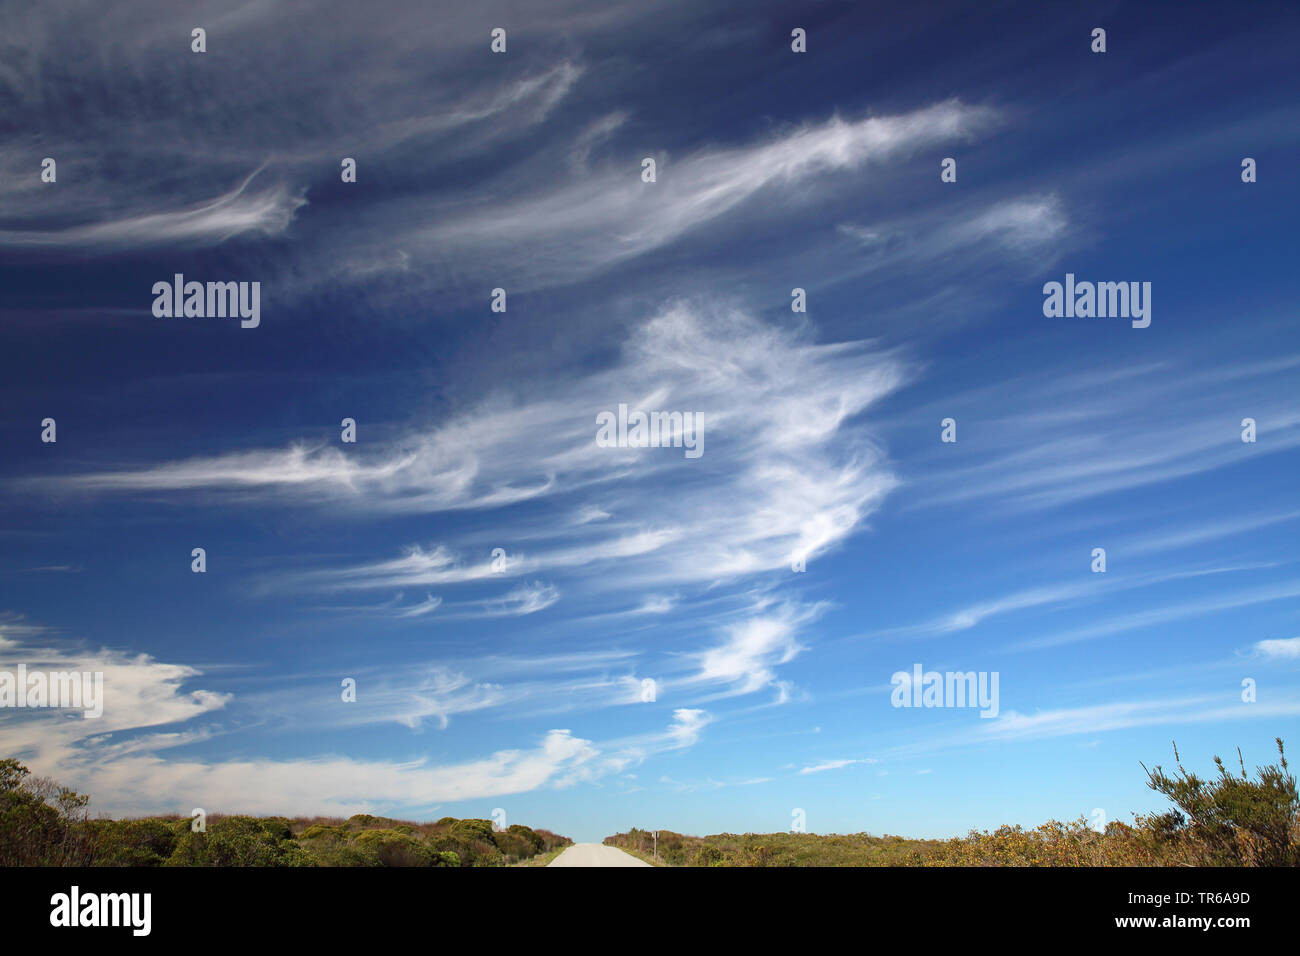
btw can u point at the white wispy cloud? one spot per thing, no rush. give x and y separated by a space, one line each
839 764
753 648
114 166
1210 531
430 603
1065 594
1212 604
788 469
656 604
328 785
1027 221
1283 648
528 599
436 692
1124 714
126 761
1079 439
140 692
694 786
241 211
610 216
687 725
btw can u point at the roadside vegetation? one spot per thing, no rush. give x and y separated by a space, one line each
546 857
771 849
44 824
1229 819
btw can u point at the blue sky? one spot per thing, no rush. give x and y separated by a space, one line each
519 686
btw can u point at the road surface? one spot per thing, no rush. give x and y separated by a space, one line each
595 854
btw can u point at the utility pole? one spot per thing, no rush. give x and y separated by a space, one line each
656 846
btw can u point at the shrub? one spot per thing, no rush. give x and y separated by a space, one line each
237 841
132 842
474 829
319 831
1231 820
483 853
44 824
41 824
528 835
364 821
707 856
393 848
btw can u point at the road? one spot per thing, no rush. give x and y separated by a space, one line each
595 854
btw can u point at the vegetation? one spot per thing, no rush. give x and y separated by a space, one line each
545 858
1227 820
43 824
1230 820
771 849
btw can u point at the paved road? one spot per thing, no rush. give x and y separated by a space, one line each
595 854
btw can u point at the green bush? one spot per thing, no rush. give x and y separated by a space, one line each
707 856
474 829
519 842
394 848
1232 820
146 842
323 831
276 827
364 821
237 841
40 827
43 824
